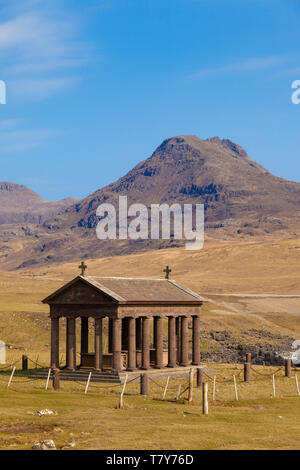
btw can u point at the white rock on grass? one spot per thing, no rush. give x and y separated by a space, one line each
69 445
45 412
44 445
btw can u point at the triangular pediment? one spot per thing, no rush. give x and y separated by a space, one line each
79 292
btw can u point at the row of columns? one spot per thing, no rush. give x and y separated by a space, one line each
136 335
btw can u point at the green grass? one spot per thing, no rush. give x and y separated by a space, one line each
92 421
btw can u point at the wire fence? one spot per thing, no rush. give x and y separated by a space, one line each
280 369
226 384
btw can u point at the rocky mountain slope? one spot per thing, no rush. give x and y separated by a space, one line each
242 200
19 204
217 173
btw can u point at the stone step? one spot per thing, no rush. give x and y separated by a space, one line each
77 379
80 376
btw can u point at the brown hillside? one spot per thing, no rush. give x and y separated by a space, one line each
242 201
20 204
217 173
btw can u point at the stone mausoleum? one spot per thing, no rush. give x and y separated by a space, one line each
131 317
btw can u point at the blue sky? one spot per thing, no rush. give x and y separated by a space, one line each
93 87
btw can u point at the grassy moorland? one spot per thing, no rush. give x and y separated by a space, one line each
219 272
92 421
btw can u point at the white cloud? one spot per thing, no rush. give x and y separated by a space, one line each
40 56
15 139
290 72
37 45
250 65
38 89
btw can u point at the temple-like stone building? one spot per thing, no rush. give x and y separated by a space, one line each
133 312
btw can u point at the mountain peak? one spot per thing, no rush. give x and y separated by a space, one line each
239 196
197 143
181 139
21 204
11 187
229 145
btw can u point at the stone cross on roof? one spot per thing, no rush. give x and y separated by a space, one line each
83 267
167 271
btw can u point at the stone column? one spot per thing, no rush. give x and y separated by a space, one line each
84 336
196 340
154 332
146 343
98 344
110 335
71 343
125 333
171 342
139 339
54 342
178 340
184 342
131 344
144 387
159 342
116 344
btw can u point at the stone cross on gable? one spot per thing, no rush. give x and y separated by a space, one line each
83 267
167 271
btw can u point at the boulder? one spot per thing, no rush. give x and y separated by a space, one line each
48 444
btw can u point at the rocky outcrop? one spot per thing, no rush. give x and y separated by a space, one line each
265 347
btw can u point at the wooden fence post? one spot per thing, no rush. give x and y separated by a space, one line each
235 388
56 379
191 383
247 372
273 383
214 389
205 398
121 404
166 388
144 390
297 384
48 378
287 367
24 362
88 383
199 377
11 377
249 358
